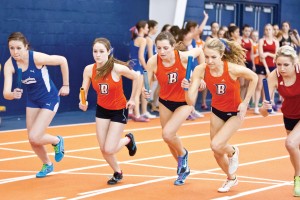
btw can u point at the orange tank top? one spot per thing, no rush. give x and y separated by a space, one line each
110 94
225 91
169 79
255 50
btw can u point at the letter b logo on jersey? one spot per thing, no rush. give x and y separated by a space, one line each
104 88
172 77
221 89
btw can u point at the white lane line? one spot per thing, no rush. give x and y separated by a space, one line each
88 194
155 140
254 191
149 141
17 158
133 130
56 198
251 178
18 150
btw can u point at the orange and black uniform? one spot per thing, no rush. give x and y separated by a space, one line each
171 93
225 93
255 50
111 101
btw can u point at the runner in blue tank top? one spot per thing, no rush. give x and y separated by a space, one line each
138 52
42 99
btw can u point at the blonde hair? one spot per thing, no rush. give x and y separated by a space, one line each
231 50
287 51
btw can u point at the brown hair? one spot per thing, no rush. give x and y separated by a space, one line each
231 50
108 66
134 30
168 36
19 37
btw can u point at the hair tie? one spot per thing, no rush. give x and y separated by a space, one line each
133 30
111 51
225 44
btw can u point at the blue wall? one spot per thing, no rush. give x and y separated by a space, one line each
68 28
287 9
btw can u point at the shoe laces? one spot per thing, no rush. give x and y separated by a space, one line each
56 149
117 176
44 168
180 161
228 182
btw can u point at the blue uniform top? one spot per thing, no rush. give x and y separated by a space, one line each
153 50
134 56
39 86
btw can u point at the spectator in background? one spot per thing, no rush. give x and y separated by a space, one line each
221 33
267 48
175 31
288 37
247 44
255 56
166 27
138 53
276 30
197 42
233 33
214 27
152 24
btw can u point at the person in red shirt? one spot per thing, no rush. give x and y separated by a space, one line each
267 48
169 66
220 73
247 44
112 109
286 79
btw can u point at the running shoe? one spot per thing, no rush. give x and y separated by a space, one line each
182 163
115 178
182 176
147 115
46 169
131 146
190 117
297 186
197 114
275 107
256 111
204 107
233 161
141 119
59 149
131 116
228 184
